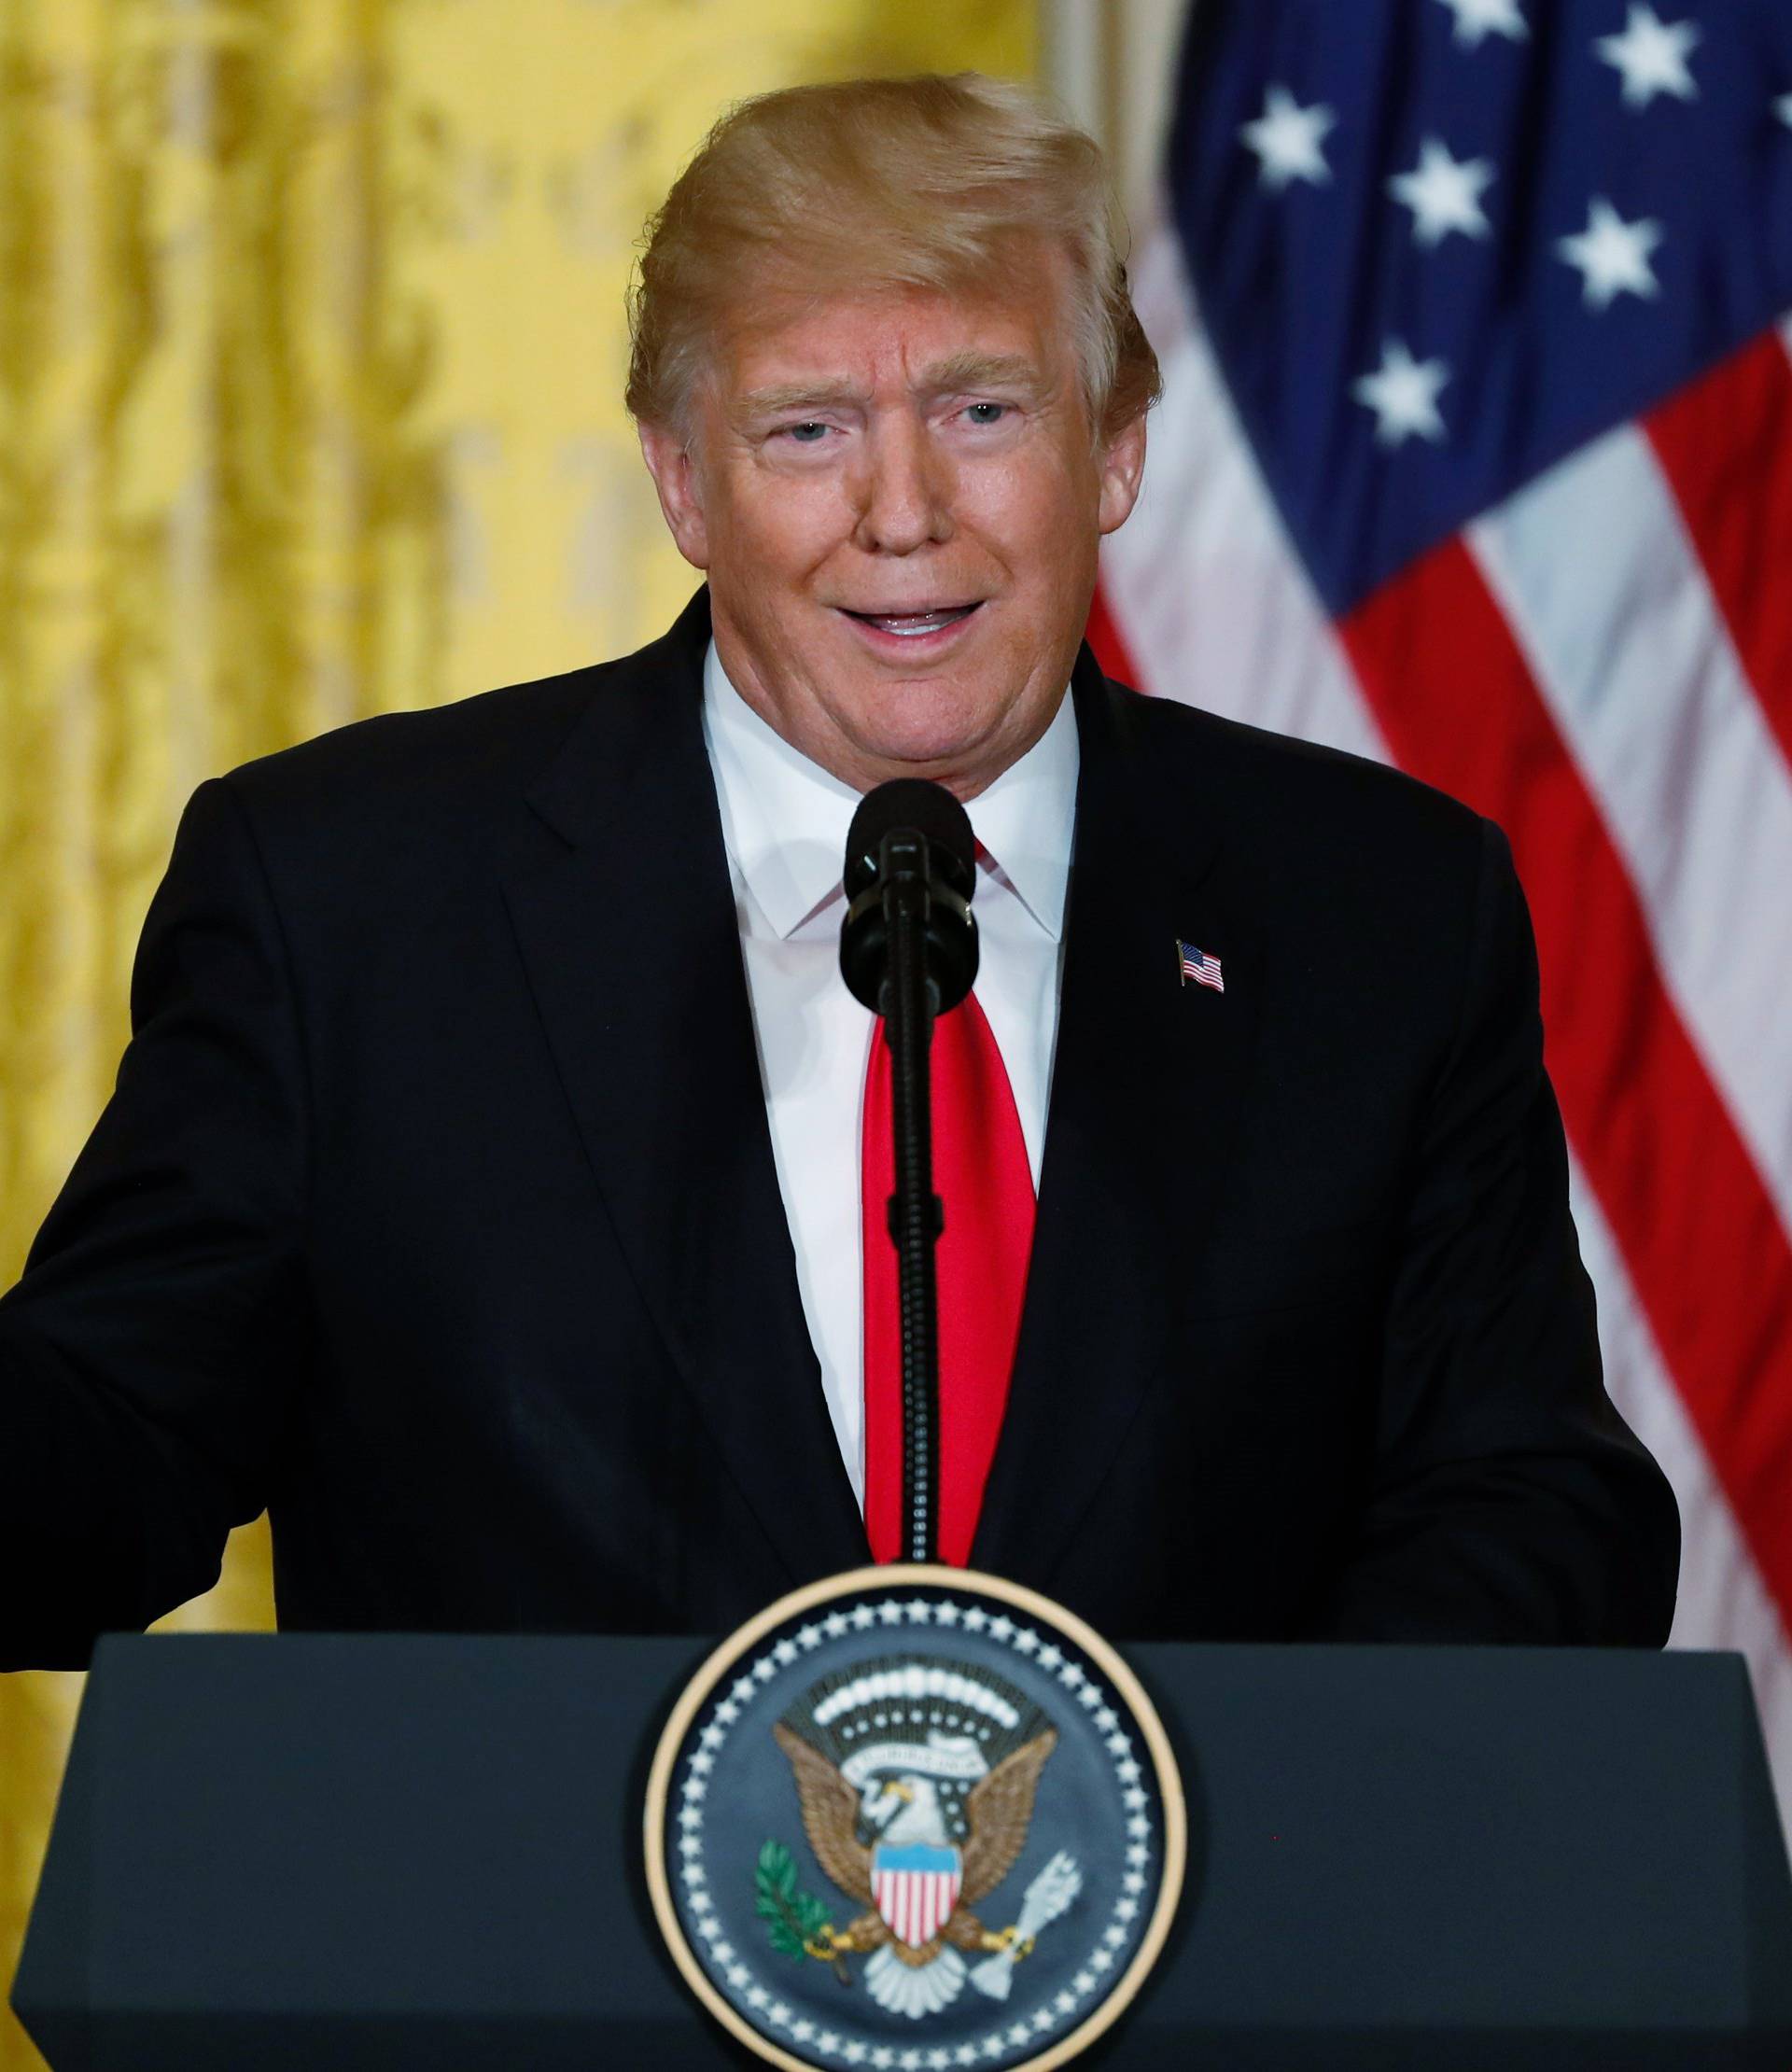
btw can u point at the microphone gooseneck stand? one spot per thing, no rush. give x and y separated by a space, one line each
908 951
915 1218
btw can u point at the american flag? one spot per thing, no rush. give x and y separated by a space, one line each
1477 455
1202 968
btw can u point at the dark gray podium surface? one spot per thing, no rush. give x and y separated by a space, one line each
386 1852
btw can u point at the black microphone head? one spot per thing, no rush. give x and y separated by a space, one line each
947 861
932 811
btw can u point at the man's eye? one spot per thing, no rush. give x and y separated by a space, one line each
809 433
986 413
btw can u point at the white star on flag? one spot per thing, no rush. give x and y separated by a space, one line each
1613 256
1652 56
1403 394
1444 193
1783 108
1286 138
1476 19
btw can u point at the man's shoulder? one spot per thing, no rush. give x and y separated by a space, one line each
1297 797
443 758
449 773
1324 861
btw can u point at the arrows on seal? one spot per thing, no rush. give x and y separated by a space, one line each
1049 1894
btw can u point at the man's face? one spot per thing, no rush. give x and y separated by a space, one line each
897 498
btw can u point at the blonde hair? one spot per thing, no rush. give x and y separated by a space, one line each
931 183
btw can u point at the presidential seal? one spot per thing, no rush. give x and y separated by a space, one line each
915 1818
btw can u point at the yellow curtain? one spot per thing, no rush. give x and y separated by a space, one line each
311 346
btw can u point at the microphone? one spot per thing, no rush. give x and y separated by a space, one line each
910 846
908 951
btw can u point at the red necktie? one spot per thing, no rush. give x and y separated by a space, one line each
982 1177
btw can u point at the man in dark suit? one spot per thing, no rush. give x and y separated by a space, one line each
463 1201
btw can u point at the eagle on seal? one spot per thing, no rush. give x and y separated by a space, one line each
896 1819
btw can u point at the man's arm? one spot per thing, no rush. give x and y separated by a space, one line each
147 1354
1511 1501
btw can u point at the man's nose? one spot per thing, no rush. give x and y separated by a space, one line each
906 490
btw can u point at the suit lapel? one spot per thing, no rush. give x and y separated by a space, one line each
627 928
1147 1088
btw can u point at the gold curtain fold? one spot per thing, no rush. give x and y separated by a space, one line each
311 353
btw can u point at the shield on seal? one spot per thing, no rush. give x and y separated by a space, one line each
916 1885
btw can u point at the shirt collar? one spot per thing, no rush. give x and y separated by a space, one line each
785 818
1023 822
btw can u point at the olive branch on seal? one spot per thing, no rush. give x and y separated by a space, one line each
796 1921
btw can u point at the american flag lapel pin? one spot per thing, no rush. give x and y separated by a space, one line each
1197 964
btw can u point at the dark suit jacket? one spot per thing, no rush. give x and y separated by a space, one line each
435 1210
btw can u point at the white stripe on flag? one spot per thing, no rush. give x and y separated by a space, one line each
1203 586
1723 1601
1592 568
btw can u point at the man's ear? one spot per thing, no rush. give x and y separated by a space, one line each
1121 463
668 461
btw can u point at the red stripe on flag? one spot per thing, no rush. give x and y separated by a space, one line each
1705 1250
1111 650
1725 444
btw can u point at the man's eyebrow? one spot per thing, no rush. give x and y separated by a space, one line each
945 377
963 370
795 395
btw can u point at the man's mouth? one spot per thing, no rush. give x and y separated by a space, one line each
911 626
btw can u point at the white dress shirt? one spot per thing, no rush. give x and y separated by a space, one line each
784 819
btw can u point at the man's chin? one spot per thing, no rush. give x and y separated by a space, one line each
958 735
938 748
964 772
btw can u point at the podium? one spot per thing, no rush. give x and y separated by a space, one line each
384 1852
